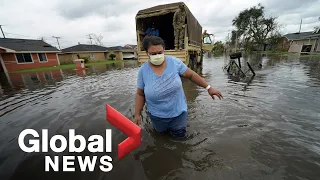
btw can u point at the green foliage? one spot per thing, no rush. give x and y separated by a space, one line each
86 59
274 39
253 27
112 56
249 46
218 47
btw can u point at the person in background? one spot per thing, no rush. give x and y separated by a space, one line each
159 86
152 31
179 19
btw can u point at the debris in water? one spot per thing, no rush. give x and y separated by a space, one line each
242 125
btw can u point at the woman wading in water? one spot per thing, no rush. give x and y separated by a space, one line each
160 87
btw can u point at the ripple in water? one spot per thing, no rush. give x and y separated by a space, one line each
264 128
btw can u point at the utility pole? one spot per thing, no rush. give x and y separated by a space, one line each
42 38
300 26
57 40
90 38
2 31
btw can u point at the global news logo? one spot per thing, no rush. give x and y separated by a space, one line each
94 144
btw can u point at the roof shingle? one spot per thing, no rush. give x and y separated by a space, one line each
26 45
84 48
299 36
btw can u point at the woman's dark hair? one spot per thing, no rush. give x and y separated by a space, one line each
152 41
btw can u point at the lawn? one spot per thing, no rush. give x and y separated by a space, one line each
69 66
271 52
287 53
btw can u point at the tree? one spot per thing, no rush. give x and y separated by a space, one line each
218 47
112 56
254 27
97 39
274 39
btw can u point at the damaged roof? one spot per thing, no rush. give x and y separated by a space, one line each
300 36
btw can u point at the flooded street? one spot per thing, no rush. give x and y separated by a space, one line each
267 127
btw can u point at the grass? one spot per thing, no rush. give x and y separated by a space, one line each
287 53
68 66
272 52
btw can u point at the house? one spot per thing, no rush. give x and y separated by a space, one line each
130 51
123 53
19 54
93 53
301 42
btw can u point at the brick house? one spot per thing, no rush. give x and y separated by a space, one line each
19 54
94 53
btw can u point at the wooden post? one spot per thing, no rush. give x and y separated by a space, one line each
185 43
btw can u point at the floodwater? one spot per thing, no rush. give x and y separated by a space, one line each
266 127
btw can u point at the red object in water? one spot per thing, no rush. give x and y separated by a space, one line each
79 64
126 126
81 72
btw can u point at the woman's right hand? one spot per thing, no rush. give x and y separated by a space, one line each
137 120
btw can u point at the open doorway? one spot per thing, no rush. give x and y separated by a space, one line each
306 48
163 23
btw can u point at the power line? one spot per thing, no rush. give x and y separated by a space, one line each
57 41
2 31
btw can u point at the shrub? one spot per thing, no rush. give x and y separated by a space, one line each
86 59
112 56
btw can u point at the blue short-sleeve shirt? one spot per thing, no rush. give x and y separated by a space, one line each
164 94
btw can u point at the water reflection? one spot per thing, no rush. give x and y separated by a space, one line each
313 65
280 156
181 155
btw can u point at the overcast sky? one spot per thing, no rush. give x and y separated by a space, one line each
73 20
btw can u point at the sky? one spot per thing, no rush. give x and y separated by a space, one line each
73 20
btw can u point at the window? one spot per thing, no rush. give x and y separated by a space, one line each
42 57
207 40
91 56
24 58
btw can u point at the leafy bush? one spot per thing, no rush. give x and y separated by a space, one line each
86 59
112 56
218 48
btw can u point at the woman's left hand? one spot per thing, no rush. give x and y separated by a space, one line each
214 92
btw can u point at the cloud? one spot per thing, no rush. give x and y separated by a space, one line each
73 20
74 9
286 7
